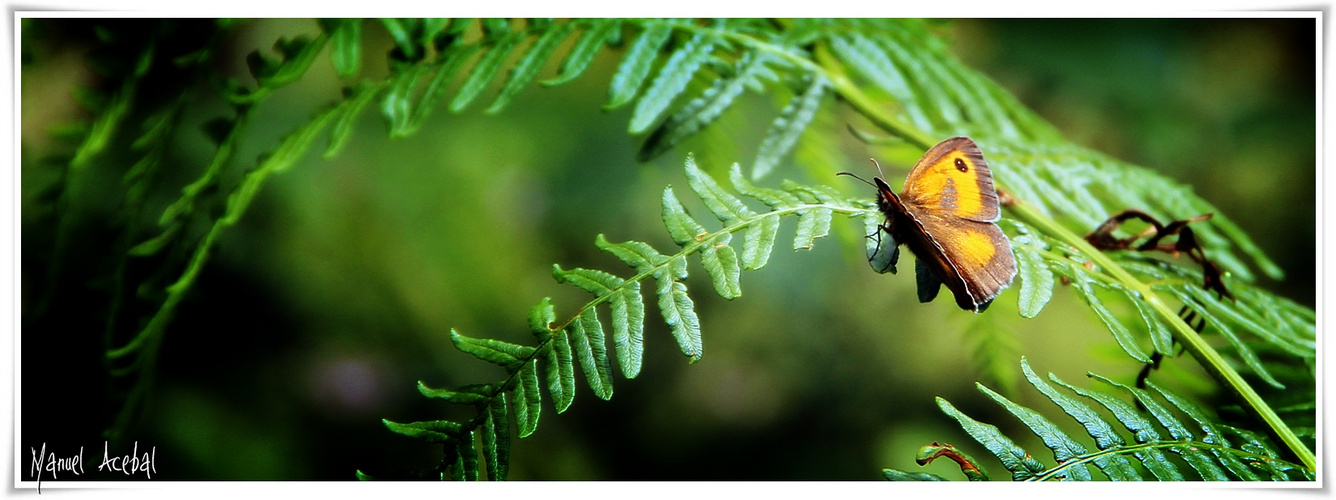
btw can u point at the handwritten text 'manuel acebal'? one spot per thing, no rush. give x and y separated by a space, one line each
43 462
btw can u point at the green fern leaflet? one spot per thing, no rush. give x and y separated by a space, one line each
1216 452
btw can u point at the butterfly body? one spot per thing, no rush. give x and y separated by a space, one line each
946 215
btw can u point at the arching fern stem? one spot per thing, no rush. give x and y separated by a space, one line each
701 241
1206 355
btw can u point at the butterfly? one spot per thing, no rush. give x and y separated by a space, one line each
946 215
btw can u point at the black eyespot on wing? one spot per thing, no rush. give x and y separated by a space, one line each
960 165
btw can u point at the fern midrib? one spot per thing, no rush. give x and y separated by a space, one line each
701 240
1192 342
1170 445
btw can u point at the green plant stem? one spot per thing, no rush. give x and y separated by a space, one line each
1206 355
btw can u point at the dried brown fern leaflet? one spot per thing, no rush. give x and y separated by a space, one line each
1103 239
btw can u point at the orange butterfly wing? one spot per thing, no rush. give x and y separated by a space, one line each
950 194
952 180
978 253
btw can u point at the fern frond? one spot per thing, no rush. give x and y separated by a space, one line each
897 475
486 68
635 65
297 56
529 64
861 54
496 439
1210 454
1013 457
1085 288
597 33
1143 430
628 312
582 336
671 80
703 110
1148 284
1115 466
143 345
399 30
784 132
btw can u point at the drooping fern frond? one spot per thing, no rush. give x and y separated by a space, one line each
1213 452
582 337
172 59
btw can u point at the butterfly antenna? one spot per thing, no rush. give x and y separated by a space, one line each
851 174
878 165
879 173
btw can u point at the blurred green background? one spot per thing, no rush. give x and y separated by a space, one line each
335 293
